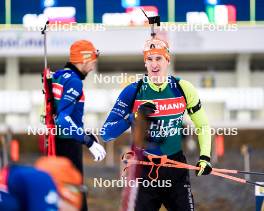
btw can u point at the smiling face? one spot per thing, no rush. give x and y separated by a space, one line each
157 68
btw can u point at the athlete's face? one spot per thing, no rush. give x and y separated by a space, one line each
157 68
88 66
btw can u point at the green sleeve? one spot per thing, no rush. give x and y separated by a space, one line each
199 118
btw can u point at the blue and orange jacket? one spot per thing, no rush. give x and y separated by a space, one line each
67 89
27 189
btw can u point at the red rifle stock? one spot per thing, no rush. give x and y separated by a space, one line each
49 139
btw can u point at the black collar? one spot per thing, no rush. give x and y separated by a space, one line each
75 69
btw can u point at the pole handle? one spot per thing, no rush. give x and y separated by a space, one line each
43 31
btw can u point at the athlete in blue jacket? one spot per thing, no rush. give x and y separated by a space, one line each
27 189
69 99
53 184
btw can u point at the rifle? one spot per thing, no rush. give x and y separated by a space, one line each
48 116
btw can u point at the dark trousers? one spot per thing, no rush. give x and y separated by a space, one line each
178 197
72 150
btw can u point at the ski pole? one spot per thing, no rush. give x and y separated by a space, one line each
177 164
236 179
217 172
45 44
231 171
220 174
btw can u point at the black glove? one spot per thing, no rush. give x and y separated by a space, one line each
147 109
89 139
205 166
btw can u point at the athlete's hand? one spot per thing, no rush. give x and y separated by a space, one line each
205 166
147 108
98 151
92 142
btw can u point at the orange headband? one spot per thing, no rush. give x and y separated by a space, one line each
156 46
